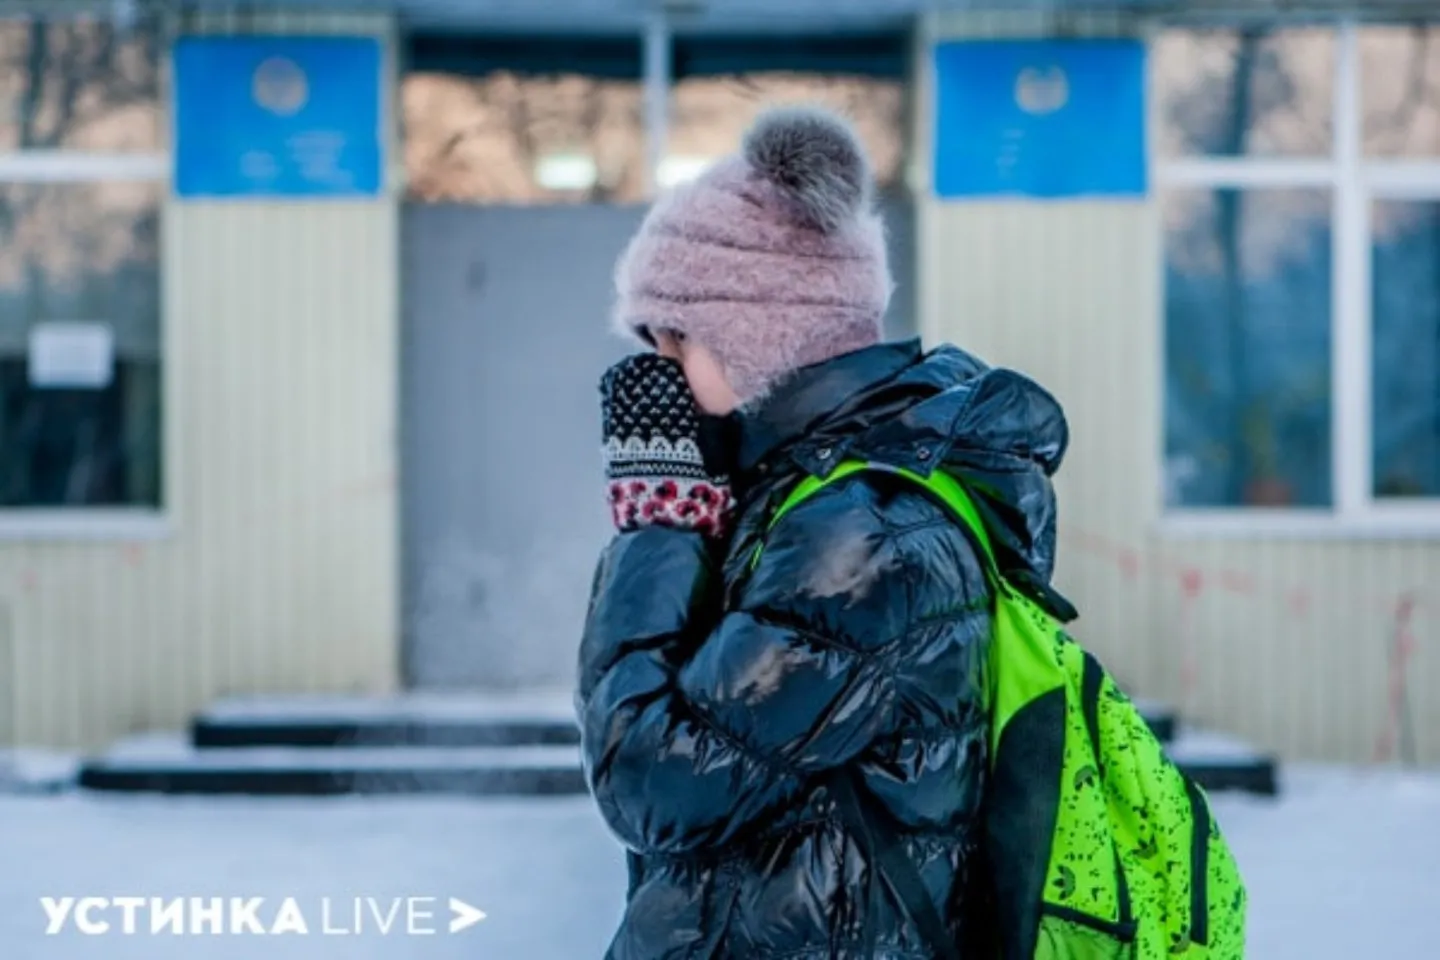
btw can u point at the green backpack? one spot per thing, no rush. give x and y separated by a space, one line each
1099 848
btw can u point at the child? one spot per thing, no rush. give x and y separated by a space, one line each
740 684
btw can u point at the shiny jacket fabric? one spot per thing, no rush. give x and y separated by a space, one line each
716 700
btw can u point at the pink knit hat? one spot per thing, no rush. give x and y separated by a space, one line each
774 259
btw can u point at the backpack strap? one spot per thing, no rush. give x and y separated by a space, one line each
949 491
891 864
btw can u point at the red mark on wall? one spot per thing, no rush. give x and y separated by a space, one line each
1399 734
1192 585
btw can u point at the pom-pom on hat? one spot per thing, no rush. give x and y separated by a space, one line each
773 259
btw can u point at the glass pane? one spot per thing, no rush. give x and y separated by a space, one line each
1400 90
82 85
84 253
505 138
1247 348
1233 93
1405 300
709 115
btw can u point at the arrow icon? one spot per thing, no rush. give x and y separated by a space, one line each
465 915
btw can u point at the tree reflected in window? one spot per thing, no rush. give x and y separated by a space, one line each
506 138
1405 314
80 251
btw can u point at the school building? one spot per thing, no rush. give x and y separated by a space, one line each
302 309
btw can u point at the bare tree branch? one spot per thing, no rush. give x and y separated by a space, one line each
1393 130
1229 223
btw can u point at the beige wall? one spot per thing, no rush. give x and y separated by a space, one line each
1290 637
279 568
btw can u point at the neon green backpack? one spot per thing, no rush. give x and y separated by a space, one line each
1099 847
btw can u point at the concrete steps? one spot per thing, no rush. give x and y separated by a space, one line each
173 764
532 718
1219 762
478 744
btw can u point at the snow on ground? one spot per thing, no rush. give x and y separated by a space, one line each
1342 867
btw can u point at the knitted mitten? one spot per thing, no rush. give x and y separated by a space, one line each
653 460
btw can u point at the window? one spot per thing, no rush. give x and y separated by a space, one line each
722 81
709 115
82 180
510 138
563 120
1405 366
1400 91
1301 220
524 120
1248 318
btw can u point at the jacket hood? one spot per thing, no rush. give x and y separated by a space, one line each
998 431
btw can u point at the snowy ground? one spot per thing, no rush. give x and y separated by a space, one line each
1344 867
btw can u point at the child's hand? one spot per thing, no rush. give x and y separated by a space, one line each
653 463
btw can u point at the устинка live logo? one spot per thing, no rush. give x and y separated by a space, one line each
258 916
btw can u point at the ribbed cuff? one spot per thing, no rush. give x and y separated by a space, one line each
684 504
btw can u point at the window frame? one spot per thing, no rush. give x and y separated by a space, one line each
1355 181
61 166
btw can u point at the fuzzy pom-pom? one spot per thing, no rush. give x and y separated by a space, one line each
814 157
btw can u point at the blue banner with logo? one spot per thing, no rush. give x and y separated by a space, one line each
277 116
1040 118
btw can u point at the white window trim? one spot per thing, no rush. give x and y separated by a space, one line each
1398 521
85 523
1230 172
1401 179
1355 181
658 44
64 166
1350 353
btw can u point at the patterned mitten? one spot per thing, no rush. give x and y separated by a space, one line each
653 459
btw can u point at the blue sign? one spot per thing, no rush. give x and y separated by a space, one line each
277 116
1040 118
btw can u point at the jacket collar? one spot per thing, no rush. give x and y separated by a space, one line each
805 400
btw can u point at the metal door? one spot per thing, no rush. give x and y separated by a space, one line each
504 337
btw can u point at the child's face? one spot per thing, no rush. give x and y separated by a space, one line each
707 380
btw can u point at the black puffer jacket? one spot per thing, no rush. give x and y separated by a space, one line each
715 701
